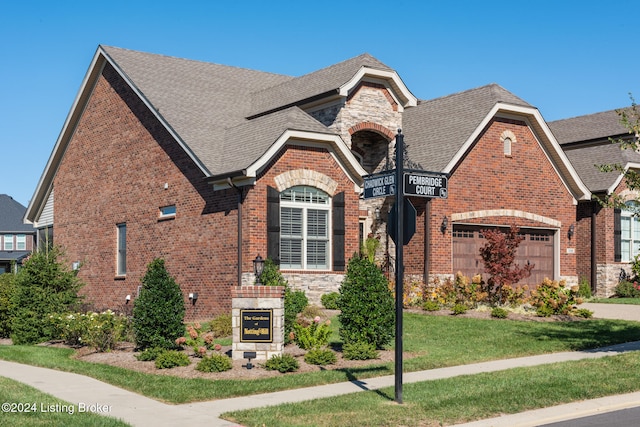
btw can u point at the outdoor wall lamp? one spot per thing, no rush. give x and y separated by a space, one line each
258 267
572 231
444 225
193 297
377 213
127 299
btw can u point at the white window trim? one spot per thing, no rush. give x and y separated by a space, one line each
305 207
8 240
121 256
21 239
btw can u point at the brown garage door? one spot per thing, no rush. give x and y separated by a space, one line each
536 248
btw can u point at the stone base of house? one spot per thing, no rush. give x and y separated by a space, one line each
608 277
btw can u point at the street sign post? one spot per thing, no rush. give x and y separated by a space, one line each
381 184
425 184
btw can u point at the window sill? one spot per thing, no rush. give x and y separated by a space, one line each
123 277
166 218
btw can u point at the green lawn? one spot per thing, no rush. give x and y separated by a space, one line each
632 301
432 341
460 399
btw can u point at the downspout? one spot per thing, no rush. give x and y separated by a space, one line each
240 193
594 274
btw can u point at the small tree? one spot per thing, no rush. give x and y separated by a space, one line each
158 313
43 286
366 304
498 255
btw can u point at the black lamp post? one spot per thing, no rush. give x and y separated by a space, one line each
258 267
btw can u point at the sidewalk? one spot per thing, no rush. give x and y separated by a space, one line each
138 410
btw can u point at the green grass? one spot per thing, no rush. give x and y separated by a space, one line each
460 399
432 341
632 301
45 410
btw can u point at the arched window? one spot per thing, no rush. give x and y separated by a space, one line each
304 228
629 231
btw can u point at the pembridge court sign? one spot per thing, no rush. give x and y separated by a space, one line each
425 184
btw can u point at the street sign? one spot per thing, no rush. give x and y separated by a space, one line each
380 184
425 184
408 223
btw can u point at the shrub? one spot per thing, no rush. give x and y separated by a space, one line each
7 289
168 359
158 312
149 354
221 325
282 363
314 336
499 313
498 255
366 304
330 300
320 356
583 312
359 351
459 309
584 288
553 297
627 289
431 306
44 285
214 363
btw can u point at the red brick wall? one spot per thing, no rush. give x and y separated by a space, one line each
114 171
486 179
293 158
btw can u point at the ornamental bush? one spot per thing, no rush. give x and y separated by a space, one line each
553 297
158 313
320 357
282 363
330 300
170 359
7 289
43 286
214 363
366 304
359 351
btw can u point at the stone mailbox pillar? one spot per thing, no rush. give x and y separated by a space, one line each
257 320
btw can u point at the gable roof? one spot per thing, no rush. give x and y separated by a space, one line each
585 140
11 214
440 127
442 130
333 80
205 107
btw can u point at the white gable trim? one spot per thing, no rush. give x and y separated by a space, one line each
549 144
620 177
388 76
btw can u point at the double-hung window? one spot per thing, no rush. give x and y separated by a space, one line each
21 242
8 242
304 228
629 232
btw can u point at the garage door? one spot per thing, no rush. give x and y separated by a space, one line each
536 248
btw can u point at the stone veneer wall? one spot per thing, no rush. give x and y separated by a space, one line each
608 276
258 297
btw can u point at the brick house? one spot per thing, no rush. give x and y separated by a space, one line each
208 166
17 239
608 238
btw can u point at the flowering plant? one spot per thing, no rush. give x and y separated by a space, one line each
198 340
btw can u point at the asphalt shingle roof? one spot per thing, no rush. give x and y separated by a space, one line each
11 214
437 129
585 141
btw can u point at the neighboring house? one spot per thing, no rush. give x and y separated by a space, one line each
208 166
17 239
608 239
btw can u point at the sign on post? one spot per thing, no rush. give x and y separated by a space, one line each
380 185
425 184
256 325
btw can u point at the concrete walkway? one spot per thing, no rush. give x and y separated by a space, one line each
141 411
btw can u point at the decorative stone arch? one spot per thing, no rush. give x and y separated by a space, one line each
374 127
506 212
306 177
628 195
507 138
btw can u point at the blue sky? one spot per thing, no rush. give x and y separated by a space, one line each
568 58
